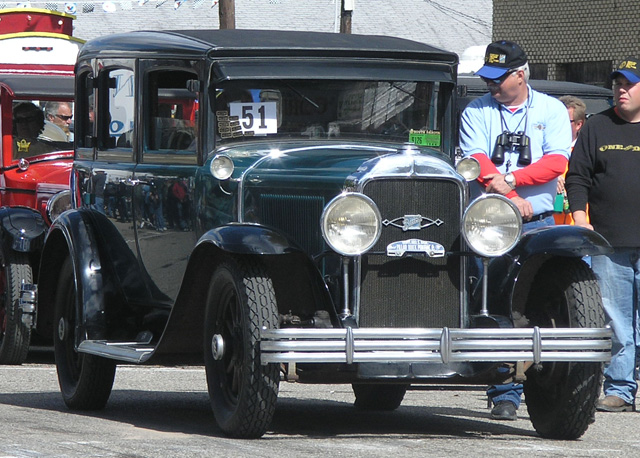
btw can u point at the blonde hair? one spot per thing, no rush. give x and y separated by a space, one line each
579 107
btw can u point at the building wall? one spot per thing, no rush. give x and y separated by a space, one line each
453 25
573 39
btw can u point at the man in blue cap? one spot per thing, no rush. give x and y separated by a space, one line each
603 172
522 140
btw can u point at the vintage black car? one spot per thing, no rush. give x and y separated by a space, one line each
286 205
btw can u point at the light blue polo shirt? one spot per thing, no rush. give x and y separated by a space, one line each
547 126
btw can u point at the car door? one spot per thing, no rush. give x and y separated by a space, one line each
106 165
164 178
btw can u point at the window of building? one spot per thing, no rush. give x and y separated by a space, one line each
595 73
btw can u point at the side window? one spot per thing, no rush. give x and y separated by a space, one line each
84 110
116 106
171 118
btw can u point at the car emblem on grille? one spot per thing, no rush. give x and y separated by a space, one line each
412 222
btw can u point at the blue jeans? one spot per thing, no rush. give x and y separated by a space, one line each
619 278
506 392
513 391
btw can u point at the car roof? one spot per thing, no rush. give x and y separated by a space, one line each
243 42
39 86
475 84
596 98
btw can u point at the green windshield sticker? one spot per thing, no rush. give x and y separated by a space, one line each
424 137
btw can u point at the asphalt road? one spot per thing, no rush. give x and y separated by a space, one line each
165 412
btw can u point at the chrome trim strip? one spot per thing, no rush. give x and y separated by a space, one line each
537 345
350 344
435 345
445 346
357 289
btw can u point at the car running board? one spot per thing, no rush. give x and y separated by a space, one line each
130 352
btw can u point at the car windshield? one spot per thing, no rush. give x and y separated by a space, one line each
41 127
386 110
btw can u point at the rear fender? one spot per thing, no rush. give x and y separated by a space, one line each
73 235
511 275
23 229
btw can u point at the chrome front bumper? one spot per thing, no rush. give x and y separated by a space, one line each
392 345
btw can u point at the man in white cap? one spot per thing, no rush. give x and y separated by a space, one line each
522 139
603 172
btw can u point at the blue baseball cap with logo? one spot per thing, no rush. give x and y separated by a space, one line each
628 68
500 57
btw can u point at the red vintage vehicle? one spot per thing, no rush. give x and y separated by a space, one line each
36 76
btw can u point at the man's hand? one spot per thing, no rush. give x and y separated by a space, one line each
497 185
526 210
580 219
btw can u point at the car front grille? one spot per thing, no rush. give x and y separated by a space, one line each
296 215
408 291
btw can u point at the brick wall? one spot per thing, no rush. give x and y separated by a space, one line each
566 35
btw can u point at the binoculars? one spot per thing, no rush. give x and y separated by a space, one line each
508 141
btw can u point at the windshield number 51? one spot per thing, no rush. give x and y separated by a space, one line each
259 117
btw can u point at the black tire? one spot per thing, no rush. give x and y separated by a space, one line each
378 396
243 392
85 380
15 336
561 397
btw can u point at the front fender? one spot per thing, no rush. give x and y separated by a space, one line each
23 228
243 238
561 240
511 275
72 234
286 263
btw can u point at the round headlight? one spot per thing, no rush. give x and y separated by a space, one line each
351 224
58 204
469 168
222 167
492 225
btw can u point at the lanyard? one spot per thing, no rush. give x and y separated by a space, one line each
503 123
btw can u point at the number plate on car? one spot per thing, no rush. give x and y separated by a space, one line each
402 247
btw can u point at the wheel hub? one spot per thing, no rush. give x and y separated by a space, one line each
62 329
217 347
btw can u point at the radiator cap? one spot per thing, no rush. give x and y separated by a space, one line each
409 148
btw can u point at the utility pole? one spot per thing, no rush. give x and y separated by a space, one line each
227 14
345 16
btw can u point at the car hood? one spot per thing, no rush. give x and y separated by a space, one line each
305 164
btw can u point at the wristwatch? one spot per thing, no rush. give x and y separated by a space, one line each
510 180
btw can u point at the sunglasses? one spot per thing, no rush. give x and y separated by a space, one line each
63 117
498 80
